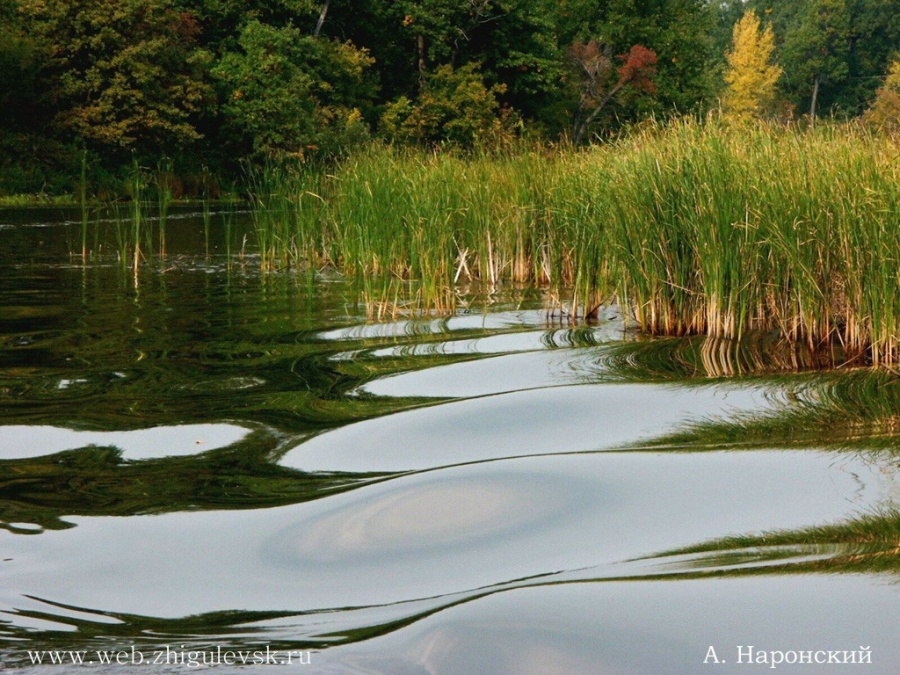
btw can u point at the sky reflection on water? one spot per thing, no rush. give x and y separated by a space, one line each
214 457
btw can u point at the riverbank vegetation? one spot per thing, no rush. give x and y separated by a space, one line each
447 141
205 83
696 227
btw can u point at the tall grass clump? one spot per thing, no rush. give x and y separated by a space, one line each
695 227
83 204
442 219
163 180
130 225
206 204
719 229
285 210
139 229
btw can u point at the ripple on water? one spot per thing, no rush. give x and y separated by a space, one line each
543 421
433 553
495 375
606 628
427 515
418 536
459 322
21 441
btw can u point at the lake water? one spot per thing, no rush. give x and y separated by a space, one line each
202 459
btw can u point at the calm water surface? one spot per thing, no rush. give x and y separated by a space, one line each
202 456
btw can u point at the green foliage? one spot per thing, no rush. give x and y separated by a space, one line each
442 24
21 61
454 107
513 41
213 82
726 15
27 156
127 74
677 31
264 10
288 93
875 37
816 50
699 229
519 50
885 111
222 20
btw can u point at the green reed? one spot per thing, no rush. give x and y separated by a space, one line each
695 227
285 210
136 185
163 180
121 229
207 207
228 222
83 204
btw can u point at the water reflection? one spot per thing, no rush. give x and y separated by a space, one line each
590 628
214 456
40 491
21 441
441 533
549 420
424 516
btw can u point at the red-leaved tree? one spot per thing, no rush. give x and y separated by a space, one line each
595 65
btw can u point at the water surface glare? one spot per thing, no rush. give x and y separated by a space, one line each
200 455
531 422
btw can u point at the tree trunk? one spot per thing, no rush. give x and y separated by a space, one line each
815 97
420 45
322 16
581 127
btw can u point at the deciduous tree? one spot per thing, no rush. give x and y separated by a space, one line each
677 31
287 92
454 106
601 81
751 77
816 51
885 111
126 74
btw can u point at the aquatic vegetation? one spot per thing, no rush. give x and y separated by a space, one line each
207 208
163 180
137 211
96 481
83 204
278 213
867 543
699 358
857 409
543 497
695 228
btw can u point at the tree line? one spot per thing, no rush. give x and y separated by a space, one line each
208 84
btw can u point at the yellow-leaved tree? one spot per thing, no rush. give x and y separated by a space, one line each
885 111
751 76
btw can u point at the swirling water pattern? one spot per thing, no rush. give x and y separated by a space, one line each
202 455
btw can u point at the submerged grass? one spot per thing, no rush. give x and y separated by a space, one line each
856 410
697 228
163 180
866 543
